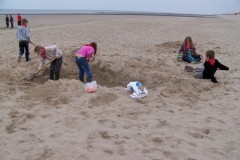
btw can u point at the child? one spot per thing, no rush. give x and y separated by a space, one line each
210 67
189 52
53 54
19 19
11 20
23 36
83 56
7 20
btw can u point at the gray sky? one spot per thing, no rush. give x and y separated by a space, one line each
169 6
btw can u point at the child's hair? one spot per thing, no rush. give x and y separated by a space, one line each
37 49
210 54
94 45
24 21
188 38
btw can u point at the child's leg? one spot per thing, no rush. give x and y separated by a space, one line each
52 69
26 45
57 67
197 58
81 71
187 59
198 73
86 68
21 50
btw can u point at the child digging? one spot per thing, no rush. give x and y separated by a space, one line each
52 54
83 56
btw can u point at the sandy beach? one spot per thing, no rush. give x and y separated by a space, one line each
181 119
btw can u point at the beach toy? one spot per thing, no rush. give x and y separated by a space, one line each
179 57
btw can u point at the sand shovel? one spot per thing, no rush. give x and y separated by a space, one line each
32 75
32 43
189 69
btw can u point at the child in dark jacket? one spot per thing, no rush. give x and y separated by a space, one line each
210 67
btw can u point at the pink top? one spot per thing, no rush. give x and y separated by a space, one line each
85 51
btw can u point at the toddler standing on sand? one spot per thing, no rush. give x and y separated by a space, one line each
54 55
23 36
83 56
210 67
189 51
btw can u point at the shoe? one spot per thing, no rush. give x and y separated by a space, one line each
19 59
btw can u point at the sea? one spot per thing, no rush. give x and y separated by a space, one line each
93 12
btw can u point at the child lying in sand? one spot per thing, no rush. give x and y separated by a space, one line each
189 51
53 54
210 67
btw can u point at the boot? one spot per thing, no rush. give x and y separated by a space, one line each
51 74
19 59
81 79
57 75
89 79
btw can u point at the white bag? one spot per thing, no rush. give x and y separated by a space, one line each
91 87
138 90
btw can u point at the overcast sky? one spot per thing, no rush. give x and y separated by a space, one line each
169 6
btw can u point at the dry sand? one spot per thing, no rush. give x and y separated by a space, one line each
181 119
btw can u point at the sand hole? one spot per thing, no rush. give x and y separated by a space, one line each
108 74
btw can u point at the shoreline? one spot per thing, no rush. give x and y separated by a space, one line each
80 12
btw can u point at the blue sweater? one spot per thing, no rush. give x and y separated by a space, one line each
23 33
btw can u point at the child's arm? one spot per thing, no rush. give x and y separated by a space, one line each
181 49
221 66
42 62
214 80
28 34
90 54
193 50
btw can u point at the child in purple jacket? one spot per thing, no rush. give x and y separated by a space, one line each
189 51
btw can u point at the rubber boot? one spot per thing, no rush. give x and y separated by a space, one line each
51 74
57 75
81 79
89 79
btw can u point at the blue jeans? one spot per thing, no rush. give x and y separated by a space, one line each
24 45
83 67
189 60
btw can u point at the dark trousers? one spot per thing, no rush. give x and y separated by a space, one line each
11 24
55 68
83 68
19 23
24 45
7 23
